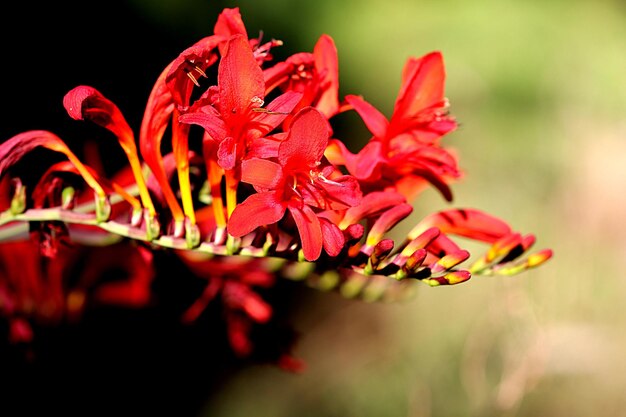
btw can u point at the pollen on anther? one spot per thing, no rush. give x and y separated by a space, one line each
193 79
199 71
257 100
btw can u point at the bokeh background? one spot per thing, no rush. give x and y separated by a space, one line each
538 89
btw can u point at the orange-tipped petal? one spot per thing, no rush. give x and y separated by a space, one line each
334 239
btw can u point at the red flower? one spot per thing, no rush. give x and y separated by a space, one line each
297 182
404 152
233 117
315 75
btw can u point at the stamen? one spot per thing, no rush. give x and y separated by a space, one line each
258 101
199 71
295 190
322 178
193 79
262 110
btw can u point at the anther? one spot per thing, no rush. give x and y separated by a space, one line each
322 178
262 110
192 78
257 100
199 71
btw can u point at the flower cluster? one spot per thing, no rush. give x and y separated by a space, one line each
242 176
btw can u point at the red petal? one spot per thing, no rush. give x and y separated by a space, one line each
432 177
230 23
387 221
334 239
85 102
441 246
469 223
227 153
240 79
276 75
375 121
337 153
372 204
261 173
238 328
310 231
327 66
266 147
422 87
257 210
210 120
306 140
341 192
365 165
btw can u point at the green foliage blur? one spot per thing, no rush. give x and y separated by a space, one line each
538 89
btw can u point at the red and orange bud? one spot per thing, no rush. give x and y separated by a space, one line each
451 278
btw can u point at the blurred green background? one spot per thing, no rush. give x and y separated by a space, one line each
538 89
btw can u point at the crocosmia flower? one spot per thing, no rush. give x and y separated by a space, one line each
315 75
297 182
404 152
268 192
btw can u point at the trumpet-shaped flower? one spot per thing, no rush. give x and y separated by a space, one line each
234 118
315 75
404 152
297 182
